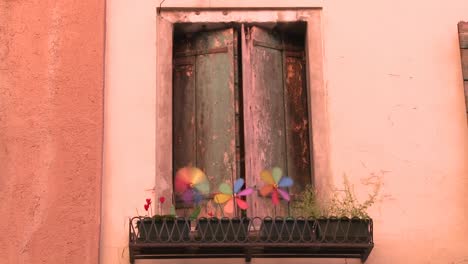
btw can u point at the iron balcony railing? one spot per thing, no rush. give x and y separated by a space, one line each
250 237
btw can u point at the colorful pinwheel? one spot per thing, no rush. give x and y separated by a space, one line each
228 196
191 183
274 182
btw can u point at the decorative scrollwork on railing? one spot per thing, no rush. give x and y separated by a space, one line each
251 230
250 237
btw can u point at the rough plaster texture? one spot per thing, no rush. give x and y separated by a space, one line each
51 101
395 109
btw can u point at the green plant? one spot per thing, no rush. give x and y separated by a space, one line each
160 218
306 205
344 203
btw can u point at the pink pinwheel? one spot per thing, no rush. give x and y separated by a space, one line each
192 184
229 196
274 182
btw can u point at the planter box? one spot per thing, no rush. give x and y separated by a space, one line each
222 230
287 230
343 230
250 238
163 229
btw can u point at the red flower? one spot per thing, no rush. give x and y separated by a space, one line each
146 207
148 201
162 199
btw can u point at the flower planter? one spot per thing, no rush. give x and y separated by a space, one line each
163 229
343 230
287 230
222 230
254 237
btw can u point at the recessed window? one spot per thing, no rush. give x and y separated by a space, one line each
240 103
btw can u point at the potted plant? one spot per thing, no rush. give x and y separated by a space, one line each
306 209
348 220
287 229
161 227
226 229
223 229
278 228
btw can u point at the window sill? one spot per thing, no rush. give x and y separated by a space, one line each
238 4
250 237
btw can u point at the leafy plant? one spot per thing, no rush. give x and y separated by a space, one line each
344 203
306 204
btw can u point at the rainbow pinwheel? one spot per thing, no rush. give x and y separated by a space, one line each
274 182
191 183
228 196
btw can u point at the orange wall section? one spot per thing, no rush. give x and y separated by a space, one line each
51 124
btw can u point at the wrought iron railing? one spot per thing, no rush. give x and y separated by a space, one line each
250 237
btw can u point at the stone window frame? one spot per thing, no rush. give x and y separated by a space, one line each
463 39
319 120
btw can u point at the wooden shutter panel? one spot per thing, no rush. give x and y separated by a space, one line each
275 113
296 115
204 104
463 37
184 137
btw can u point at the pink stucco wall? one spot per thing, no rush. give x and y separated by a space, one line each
395 108
51 123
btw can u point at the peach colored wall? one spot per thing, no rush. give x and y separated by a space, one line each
395 108
51 124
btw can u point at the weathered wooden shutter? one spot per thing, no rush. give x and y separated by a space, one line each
463 36
296 114
163 136
276 120
204 105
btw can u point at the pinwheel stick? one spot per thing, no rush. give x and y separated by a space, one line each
235 207
232 181
221 209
